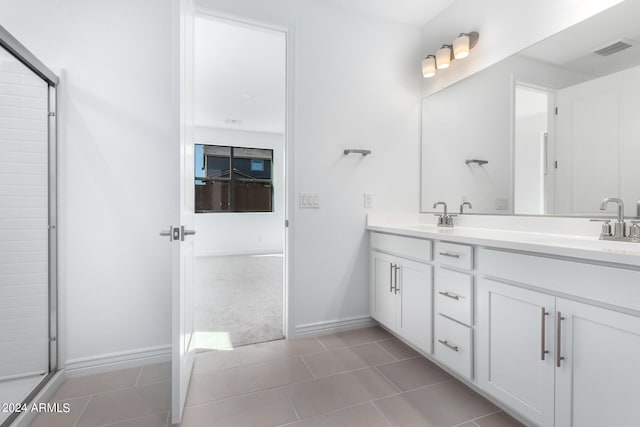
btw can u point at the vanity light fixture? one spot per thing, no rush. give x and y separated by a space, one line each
443 57
429 66
459 49
463 44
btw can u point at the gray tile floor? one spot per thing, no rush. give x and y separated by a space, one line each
362 378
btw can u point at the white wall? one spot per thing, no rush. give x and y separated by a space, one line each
115 141
505 27
244 233
356 86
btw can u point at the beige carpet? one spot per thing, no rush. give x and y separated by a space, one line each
238 300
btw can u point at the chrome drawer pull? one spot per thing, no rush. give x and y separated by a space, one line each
446 344
448 295
449 255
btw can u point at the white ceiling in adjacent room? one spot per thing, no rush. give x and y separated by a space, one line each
239 76
412 12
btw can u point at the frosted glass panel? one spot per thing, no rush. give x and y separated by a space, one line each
24 288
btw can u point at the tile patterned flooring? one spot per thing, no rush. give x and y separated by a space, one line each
361 378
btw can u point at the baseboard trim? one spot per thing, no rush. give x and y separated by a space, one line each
119 360
240 253
331 326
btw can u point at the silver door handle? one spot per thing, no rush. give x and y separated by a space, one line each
167 233
184 232
448 295
446 344
449 255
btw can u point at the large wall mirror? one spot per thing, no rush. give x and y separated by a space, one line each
551 130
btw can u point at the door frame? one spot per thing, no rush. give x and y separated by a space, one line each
288 317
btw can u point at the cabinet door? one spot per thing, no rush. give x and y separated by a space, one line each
597 382
415 288
514 333
383 301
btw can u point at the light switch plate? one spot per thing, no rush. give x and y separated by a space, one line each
368 200
502 204
309 200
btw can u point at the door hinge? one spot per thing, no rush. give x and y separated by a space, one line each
52 113
556 111
286 223
555 164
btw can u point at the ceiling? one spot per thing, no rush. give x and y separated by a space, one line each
239 76
573 48
412 12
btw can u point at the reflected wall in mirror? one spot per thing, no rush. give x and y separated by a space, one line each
558 124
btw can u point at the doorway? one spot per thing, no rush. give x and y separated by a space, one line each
239 164
532 150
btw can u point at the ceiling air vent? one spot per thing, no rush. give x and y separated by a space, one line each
612 48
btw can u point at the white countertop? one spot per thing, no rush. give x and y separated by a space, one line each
588 248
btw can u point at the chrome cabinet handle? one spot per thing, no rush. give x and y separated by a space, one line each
449 255
559 320
446 344
448 295
396 279
166 233
390 277
543 326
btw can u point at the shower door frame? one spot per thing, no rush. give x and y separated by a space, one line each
22 54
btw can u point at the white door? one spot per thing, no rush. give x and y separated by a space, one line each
383 305
414 288
183 350
597 381
515 348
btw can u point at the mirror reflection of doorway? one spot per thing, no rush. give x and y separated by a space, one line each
240 76
532 151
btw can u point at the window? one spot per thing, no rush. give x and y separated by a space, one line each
233 179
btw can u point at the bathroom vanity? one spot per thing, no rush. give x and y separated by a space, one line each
547 325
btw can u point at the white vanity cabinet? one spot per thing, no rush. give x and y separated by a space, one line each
516 360
598 381
401 287
557 361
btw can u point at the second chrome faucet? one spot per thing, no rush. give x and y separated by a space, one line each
620 226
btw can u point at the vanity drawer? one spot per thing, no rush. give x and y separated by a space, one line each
455 255
454 294
408 247
453 345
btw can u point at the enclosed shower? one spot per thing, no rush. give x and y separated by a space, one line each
28 285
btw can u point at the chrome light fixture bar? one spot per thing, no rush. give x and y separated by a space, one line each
459 49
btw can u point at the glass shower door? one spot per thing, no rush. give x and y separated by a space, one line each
27 242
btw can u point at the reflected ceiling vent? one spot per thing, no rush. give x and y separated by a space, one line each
613 48
233 122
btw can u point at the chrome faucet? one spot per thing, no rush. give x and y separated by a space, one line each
444 219
463 204
620 227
